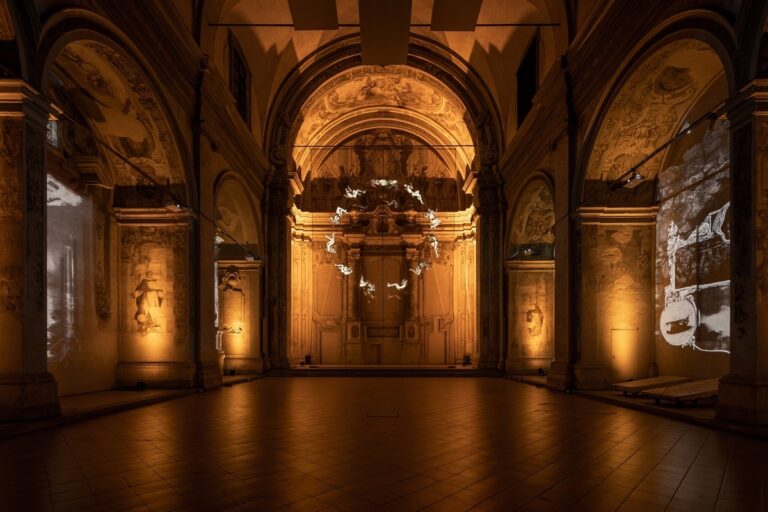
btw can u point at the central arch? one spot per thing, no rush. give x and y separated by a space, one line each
338 126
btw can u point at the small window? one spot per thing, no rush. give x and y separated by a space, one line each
52 132
527 79
239 79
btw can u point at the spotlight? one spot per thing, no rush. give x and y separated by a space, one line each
629 180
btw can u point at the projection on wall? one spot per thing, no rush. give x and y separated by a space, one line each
64 250
693 277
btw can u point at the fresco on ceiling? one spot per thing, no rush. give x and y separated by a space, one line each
108 90
650 107
375 90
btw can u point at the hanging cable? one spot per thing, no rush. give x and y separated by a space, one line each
178 202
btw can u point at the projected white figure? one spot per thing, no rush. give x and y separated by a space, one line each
421 267
435 246
398 286
681 316
432 218
344 269
330 241
369 289
393 203
353 193
384 183
336 218
414 193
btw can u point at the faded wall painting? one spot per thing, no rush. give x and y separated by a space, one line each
693 246
531 315
109 90
154 283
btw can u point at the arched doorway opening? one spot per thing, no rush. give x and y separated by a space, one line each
654 238
119 234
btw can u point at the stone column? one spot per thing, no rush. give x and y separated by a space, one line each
615 292
489 271
240 315
279 201
27 390
155 290
743 394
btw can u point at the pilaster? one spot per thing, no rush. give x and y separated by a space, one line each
27 390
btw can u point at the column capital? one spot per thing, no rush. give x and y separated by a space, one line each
632 215
17 97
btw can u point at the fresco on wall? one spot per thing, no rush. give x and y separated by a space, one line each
531 234
693 255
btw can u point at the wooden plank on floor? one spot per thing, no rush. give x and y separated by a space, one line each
686 392
635 386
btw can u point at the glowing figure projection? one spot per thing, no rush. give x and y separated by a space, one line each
695 275
384 183
330 240
431 216
416 194
398 286
369 289
393 203
432 240
336 218
421 267
353 193
344 269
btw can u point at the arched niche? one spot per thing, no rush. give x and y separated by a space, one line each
238 287
628 308
238 218
531 235
530 271
117 136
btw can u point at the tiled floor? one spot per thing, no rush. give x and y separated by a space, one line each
395 444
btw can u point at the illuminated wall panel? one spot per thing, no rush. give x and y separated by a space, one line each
82 335
693 257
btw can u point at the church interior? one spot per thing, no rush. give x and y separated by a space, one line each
405 255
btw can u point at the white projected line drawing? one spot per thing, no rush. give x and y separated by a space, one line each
432 218
336 218
384 183
681 316
330 240
369 289
398 286
414 193
393 203
353 193
434 243
418 269
344 269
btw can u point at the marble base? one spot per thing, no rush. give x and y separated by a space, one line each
158 375
209 375
528 365
28 397
591 376
244 364
741 401
560 377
